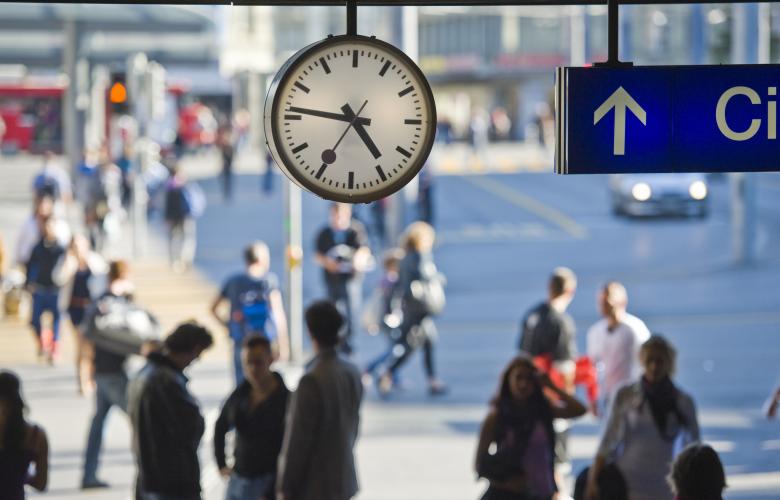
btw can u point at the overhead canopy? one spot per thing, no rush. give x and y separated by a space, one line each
33 33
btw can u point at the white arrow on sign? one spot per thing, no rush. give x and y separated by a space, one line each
620 100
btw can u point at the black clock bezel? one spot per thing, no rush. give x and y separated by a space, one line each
288 166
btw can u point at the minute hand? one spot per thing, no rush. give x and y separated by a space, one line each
361 132
331 116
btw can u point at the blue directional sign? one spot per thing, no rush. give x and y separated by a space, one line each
667 119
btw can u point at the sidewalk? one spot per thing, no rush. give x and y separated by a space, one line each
172 297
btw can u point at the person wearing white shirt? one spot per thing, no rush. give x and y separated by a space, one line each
613 342
30 232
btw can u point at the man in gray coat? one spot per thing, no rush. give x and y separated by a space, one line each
317 461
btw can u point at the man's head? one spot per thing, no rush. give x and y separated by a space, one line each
186 343
324 322
340 216
44 206
48 228
256 358
562 284
257 255
612 299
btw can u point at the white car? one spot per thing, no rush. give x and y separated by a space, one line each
659 194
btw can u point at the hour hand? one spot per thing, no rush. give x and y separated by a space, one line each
332 116
361 132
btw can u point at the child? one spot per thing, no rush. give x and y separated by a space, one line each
382 315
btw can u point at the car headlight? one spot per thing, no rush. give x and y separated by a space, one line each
641 191
698 190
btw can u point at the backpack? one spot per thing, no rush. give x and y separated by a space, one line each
46 185
252 314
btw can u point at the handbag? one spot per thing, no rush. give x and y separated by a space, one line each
428 294
500 465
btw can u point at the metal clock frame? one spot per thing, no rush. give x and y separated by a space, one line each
284 161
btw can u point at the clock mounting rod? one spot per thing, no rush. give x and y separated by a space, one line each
351 17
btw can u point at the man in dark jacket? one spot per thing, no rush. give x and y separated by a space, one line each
255 410
317 461
166 419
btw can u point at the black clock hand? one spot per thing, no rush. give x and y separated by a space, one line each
362 132
331 116
329 155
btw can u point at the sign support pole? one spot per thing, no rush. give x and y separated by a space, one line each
613 37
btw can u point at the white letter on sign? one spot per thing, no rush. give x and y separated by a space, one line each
720 113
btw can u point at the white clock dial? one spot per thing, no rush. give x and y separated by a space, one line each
350 118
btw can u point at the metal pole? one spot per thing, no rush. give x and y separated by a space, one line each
293 228
745 50
351 17
70 133
613 30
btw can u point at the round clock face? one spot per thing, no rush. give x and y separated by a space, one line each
350 118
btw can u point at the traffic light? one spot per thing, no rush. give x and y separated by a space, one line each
117 94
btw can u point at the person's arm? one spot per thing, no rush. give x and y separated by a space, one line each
692 421
221 427
280 321
215 305
569 406
321 248
40 480
303 418
486 437
613 436
773 403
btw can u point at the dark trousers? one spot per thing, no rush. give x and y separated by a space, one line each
346 297
413 335
44 300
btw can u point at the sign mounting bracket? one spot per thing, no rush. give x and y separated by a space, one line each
352 17
613 38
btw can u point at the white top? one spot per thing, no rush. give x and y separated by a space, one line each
615 352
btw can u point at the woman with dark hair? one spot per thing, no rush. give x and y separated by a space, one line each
520 425
649 421
697 474
21 443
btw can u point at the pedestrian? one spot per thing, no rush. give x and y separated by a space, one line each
80 270
180 213
106 366
256 411
30 232
425 190
256 306
648 419
226 153
614 341
548 335
697 474
166 419
317 460
44 282
52 180
103 205
383 314
520 426
267 180
22 443
126 167
343 253
417 279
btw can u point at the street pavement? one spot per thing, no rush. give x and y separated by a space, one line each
499 237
